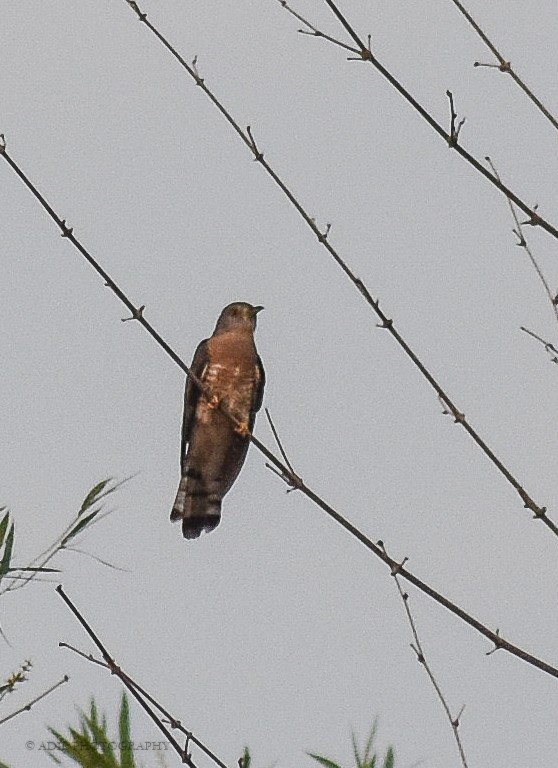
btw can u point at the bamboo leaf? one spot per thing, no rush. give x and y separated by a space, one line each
126 753
246 759
6 557
389 761
4 526
323 761
92 496
101 743
41 569
355 751
80 525
370 743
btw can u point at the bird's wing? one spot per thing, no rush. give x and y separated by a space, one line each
258 391
192 394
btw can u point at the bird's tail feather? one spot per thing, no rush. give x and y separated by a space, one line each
199 509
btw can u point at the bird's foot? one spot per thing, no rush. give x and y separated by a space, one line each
242 429
213 402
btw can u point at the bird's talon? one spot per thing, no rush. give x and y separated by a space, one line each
213 402
242 429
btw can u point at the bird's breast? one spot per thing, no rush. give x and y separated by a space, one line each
231 373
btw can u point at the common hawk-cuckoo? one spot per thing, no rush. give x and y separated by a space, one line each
213 447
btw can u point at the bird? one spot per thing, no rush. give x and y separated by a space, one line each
214 446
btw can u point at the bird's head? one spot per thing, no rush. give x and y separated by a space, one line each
239 315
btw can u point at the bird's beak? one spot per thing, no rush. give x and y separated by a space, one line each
257 309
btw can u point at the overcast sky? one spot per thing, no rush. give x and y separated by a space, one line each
279 630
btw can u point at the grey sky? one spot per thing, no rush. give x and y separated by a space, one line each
278 630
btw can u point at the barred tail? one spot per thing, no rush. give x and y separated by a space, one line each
198 509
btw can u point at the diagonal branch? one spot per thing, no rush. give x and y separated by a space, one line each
421 658
28 706
549 348
115 670
522 243
139 693
504 65
364 53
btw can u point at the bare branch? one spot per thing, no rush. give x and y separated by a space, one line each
293 480
310 29
504 65
142 696
421 658
28 706
522 243
550 348
455 127
364 53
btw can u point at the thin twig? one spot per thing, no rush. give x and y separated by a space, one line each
455 127
421 658
293 485
522 243
550 348
503 64
141 695
311 29
28 706
115 670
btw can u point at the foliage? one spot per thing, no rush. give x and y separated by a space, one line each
90 745
367 758
244 761
19 576
9 685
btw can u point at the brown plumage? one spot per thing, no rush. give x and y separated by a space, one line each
213 448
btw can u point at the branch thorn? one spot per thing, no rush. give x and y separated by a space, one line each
197 76
137 314
258 156
134 6
365 54
497 644
66 230
322 236
455 127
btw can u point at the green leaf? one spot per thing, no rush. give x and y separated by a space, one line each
4 526
356 753
91 497
5 562
323 761
389 760
369 744
246 759
99 737
35 570
79 526
126 753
